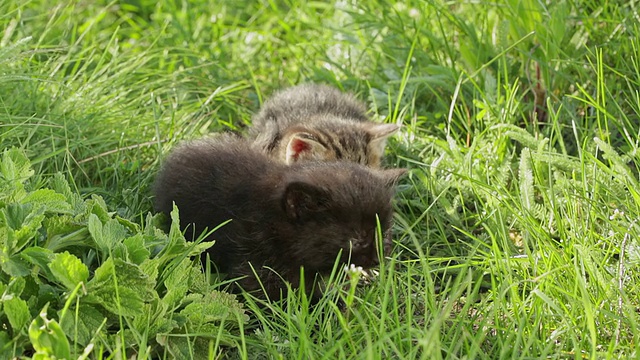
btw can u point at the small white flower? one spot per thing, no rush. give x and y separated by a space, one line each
616 214
353 269
253 37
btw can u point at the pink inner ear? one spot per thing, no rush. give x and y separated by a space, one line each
297 146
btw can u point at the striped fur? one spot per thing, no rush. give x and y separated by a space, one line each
318 122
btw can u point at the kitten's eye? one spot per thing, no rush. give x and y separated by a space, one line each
361 234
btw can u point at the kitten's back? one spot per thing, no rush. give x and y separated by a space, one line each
297 104
196 168
319 122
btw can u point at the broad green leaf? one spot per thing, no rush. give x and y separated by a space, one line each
30 228
95 229
136 249
39 257
98 207
119 251
48 339
197 249
79 237
155 319
106 236
17 312
85 324
15 215
180 347
15 165
23 222
34 290
131 276
153 222
122 301
177 283
15 169
150 268
133 286
16 286
215 307
178 245
104 273
179 274
154 238
14 265
130 225
60 185
69 270
51 200
6 346
7 236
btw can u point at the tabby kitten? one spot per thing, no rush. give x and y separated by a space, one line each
318 122
283 217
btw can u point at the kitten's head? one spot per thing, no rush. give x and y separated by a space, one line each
333 208
334 140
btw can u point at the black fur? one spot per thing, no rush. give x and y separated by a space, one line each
283 217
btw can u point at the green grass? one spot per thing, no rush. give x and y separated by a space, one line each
517 230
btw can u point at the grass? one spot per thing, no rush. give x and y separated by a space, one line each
517 232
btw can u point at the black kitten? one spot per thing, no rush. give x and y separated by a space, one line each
283 217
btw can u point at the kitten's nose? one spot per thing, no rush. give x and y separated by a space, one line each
360 245
364 253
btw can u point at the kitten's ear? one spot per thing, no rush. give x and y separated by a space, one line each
380 132
301 146
391 176
301 199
